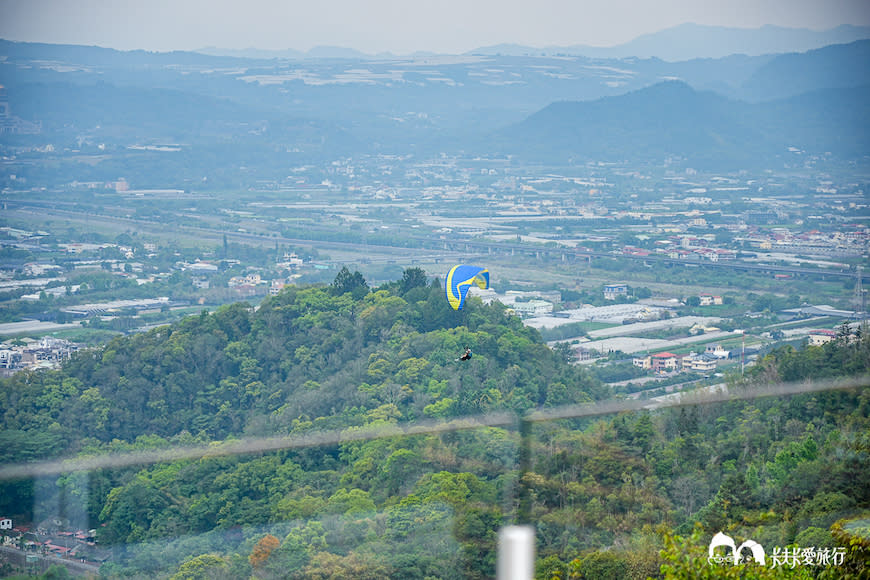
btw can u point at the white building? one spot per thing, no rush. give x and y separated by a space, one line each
701 362
820 337
201 267
717 351
532 308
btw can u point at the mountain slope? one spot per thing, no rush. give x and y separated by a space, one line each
837 66
673 120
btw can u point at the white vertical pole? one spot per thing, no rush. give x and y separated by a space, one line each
516 553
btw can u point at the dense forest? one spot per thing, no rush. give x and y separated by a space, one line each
632 495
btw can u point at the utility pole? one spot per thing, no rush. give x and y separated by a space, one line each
860 305
516 544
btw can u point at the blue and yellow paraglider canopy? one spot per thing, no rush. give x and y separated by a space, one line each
459 281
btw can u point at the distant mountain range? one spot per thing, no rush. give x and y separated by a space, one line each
671 119
737 110
684 42
690 41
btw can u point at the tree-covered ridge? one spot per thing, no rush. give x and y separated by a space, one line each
779 471
603 493
848 355
331 354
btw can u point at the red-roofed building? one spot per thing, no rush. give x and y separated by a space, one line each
664 361
820 337
60 550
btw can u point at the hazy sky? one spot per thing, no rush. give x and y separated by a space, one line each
398 26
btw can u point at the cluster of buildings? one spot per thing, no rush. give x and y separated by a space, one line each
244 286
683 252
529 304
50 539
253 285
666 362
46 353
844 243
839 243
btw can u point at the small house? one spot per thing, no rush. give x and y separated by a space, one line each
612 291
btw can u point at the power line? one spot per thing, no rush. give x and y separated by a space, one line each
250 445
715 394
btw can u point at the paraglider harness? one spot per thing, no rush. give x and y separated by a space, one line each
466 355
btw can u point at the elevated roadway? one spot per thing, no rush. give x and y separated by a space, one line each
418 248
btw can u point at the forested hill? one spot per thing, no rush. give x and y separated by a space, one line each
329 357
610 497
